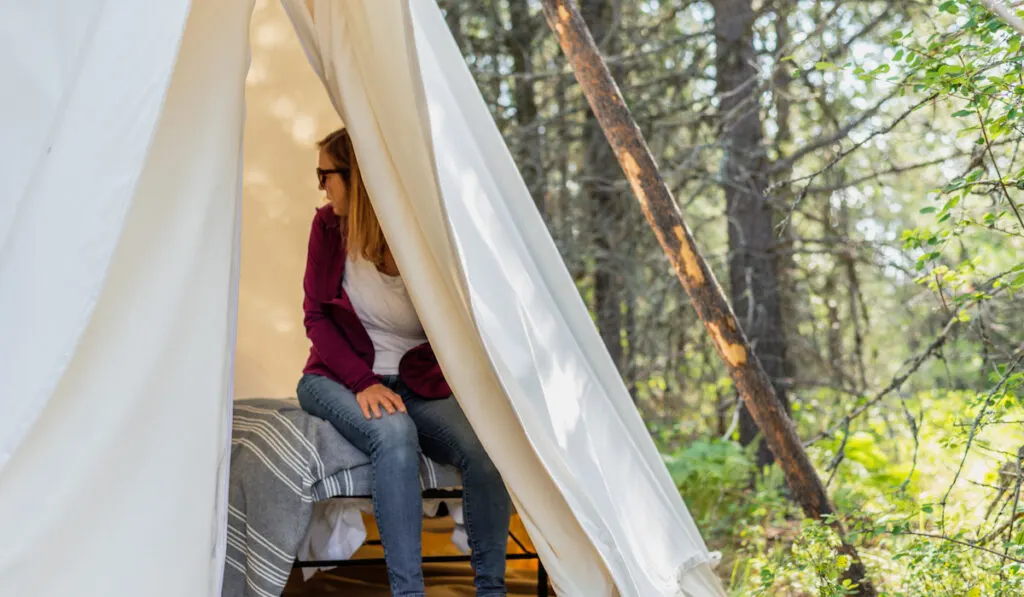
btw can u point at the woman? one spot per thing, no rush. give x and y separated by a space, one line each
372 374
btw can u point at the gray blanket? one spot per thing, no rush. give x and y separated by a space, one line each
283 460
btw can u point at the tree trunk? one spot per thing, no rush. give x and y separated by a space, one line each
752 267
453 16
834 327
529 156
785 263
603 203
856 305
692 269
632 342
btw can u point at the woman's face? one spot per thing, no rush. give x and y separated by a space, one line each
334 185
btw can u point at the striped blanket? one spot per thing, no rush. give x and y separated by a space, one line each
283 460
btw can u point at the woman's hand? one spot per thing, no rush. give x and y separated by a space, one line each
377 397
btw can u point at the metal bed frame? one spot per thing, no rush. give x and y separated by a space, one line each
525 554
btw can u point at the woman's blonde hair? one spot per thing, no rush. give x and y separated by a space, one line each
363 234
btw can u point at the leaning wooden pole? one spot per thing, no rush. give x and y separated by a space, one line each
705 294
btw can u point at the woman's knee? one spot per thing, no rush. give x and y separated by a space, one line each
394 435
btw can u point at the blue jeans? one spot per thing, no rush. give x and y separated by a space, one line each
393 443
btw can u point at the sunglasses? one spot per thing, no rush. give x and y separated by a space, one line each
321 175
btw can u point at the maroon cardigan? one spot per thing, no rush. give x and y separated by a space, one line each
342 350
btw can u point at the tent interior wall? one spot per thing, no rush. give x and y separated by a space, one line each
287 111
134 290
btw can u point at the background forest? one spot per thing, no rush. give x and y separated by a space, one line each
853 172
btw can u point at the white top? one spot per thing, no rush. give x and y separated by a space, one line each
383 306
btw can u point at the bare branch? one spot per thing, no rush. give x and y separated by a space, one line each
843 132
855 147
910 366
963 543
974 427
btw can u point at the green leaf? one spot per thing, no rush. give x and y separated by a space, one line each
824 66
949 6
788 59
953 185
961 113
975 175
928 210
898 56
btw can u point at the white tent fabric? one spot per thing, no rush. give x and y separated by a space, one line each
117 276
118 297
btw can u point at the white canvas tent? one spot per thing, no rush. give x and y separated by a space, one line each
121 178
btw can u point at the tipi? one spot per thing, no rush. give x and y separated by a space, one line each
121 176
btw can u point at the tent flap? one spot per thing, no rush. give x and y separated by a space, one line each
501 310
117 309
